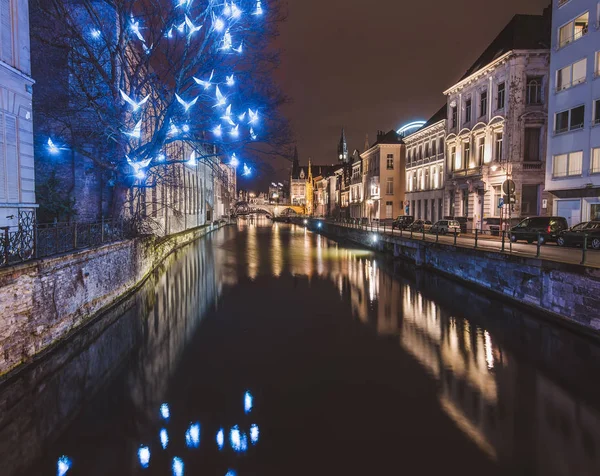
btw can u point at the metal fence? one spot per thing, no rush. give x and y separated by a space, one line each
30 240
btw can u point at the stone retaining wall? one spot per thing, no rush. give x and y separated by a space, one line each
568 291
43 301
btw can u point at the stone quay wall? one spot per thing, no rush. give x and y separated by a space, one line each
565 291
44 301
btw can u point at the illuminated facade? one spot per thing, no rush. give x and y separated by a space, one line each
497 125
17 182
425 163
384 177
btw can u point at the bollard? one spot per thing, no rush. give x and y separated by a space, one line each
537 254
503 240
454 237
584 252
476 236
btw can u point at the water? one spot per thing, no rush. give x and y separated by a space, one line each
271 350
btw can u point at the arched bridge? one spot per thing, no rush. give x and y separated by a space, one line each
245 208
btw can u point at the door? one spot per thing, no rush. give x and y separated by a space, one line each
570 209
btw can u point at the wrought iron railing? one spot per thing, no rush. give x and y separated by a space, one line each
30 240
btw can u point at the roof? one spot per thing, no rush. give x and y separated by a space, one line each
392 137
523 32
437 117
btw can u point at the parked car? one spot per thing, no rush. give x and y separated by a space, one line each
575 235
443 227
462 221
547 228
420 225
403 222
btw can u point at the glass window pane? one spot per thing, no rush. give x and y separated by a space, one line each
564 35
563 80
595 161
579 71
577 117
575 163
562 121
559 166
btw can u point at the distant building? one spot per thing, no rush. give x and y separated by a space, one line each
497 125
17 182
384 177
573 158
425 163
356 195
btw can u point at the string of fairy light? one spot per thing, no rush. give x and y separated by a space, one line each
221 18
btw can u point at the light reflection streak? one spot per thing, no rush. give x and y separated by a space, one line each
63 465
177 466
276 252
164 438
165 413
248 402
220 438
254 434
144 456
192 436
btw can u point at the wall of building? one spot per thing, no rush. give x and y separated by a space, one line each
17 177
577 194
566 291
43 301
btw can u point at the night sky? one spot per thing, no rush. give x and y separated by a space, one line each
369 65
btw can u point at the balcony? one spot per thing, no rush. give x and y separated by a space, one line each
473 171
533 166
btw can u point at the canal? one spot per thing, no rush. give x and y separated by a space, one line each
269 350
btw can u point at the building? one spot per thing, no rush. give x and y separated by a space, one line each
17 177
384 177
573 158
356 195
425 164
496 127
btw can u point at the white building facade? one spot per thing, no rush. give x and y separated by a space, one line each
425 169
573 159
17 181
496 129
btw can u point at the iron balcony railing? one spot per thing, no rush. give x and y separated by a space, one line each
22 243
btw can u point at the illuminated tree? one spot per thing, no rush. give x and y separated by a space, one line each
151 83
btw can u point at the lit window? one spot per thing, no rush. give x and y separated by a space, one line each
467 154
454 116
571 75
595 168
567 165
498 145
573 30
390 164
481 149
570 120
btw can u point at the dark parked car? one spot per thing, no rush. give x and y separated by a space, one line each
575 235
403 222
547 228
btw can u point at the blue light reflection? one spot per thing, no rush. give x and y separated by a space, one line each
164 411
164 438
63 465
248 402
220 438
254 434
144 456
177 466
192 436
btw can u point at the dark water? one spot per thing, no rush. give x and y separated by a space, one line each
353 365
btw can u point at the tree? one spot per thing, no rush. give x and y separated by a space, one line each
140 85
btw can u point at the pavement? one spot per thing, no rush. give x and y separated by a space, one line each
550 251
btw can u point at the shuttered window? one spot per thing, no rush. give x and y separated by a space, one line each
6 37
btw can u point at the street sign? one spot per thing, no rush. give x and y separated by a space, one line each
501 202
509 187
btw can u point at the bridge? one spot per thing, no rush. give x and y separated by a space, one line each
245 208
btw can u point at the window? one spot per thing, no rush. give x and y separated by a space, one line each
562 2
483 103
433 151
569 120
390 186
532 144
6 38
501 95
436 178
597 69
467 154
529 200
468 110
480 150
454 116
389 209
596 111
573 30
441 147
571 75
567 165
498 140
426 150
595 165
390 162
534 90
454 159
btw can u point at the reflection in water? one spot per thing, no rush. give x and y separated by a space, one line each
516 389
